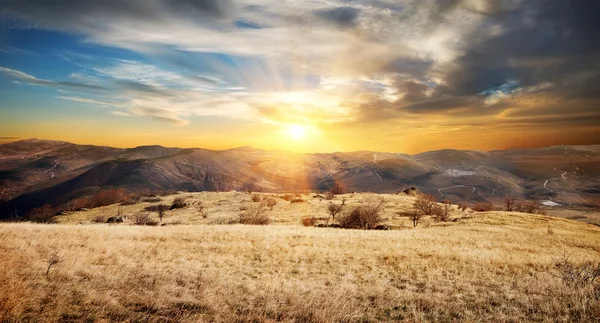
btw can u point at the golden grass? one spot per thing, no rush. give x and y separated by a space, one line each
487 267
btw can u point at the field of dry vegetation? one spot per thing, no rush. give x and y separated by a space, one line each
204 266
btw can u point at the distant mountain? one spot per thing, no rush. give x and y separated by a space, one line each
35 172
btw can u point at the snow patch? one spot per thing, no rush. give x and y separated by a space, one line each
457 173
550 203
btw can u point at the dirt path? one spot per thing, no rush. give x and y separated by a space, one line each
51 170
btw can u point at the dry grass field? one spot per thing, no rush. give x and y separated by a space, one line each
491 266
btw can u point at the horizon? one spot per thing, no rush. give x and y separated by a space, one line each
14 140
407 76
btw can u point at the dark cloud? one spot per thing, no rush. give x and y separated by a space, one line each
343 17
546 51
77 14
563 33
142 88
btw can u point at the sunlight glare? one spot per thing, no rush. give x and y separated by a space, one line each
296 131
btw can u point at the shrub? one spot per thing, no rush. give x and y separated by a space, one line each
409 191
338 188
426 204
482 207
143 219
462 207
309 221
329 196
269 202
44 214
297 200
152 199
178 203
203 212
99 219
510 203
365 216
254 215
530 206
100 198
256 197
577 275
442 213
129 202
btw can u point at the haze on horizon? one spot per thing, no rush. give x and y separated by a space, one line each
312 76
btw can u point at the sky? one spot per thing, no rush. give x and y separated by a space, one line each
306 76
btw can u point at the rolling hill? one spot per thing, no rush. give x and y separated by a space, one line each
34 172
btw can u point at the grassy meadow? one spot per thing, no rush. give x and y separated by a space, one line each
489 266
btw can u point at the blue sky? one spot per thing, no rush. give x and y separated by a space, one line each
399 75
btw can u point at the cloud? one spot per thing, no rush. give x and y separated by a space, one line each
343 17
333 61
41 82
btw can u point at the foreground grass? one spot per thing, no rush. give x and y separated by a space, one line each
487 267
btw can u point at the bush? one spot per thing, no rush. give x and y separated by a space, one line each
329 196
409 191
442 213
101 198
482 207
99 219
178 203
44 214
156 208
297 200
365 216
256 197
530 206
269 202
203 212
426 204
462 206
152 199
510 203
143 219
338 188
254 215
309 221
577 275
129 202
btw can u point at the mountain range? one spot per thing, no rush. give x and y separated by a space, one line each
35 172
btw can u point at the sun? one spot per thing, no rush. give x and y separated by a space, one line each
296 131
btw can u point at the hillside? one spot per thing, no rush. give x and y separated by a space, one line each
491 266
37 172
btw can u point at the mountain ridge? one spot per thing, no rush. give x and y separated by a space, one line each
34 172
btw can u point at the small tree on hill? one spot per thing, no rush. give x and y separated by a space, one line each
510 203
415 216
334 209
426 203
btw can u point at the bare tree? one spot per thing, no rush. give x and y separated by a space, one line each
443 212
415 216
510 203
426 204
334 209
